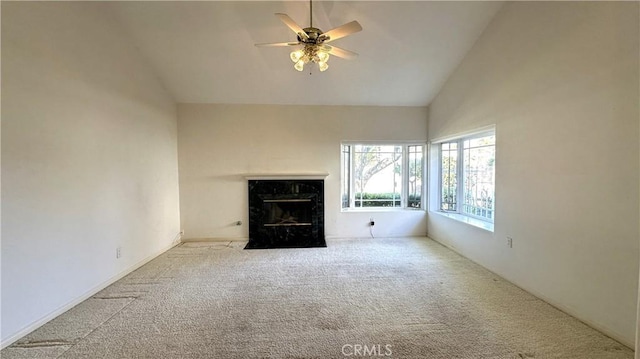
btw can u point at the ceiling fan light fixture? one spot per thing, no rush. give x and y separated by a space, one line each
296 55
323 66
322 57
299 65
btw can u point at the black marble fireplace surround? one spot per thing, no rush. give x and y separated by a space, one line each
286 214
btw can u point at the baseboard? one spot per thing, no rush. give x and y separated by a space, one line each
229 239
376 237
597 326
238 239
88 294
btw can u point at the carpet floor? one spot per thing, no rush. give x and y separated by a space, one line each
385 297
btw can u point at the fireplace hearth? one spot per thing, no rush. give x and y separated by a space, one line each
286 213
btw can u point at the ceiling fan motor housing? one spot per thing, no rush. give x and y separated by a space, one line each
314 36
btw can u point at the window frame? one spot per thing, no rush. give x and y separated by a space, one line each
437 170
404 193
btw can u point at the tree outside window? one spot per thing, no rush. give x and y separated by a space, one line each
382 175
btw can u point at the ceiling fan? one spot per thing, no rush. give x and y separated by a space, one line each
314 42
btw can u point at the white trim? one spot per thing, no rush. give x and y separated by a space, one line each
368 238
86 295
380 209
216 239
287 176
472 133
404 175
385 143
459 213
473 221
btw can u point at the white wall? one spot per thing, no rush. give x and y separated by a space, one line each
560 81
218 144
89 159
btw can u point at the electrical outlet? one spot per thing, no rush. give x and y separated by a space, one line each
509 242
118 252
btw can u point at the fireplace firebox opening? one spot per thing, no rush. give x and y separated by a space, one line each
287 212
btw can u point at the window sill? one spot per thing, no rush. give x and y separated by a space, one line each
380 209
487 226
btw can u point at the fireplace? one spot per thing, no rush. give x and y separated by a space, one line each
286 213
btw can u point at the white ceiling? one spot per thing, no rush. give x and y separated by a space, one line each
204 51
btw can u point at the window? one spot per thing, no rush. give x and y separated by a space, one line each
467 176
382 175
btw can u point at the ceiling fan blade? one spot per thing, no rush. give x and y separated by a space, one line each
342 31
342 53
292 25
276 44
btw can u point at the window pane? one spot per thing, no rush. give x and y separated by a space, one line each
346 175
377 174
415 154
479 177
449 180
481 141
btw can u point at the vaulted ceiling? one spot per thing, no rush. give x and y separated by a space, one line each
204 51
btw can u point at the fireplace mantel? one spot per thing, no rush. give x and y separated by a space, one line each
287 176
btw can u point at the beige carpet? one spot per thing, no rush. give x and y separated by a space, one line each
398 298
